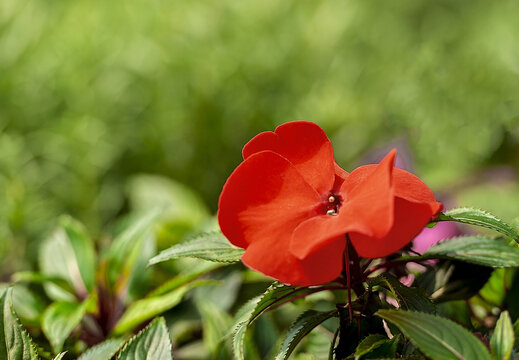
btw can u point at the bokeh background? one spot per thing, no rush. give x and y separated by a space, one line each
94 94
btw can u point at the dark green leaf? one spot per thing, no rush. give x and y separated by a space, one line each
210 246
480 218
274 295
104 351
369 343
437 337
300 328
59 319
481 250
151 343
15 342
502 341
408 298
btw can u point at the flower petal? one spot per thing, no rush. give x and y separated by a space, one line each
272 258
306 146
410 218
367 208
265 197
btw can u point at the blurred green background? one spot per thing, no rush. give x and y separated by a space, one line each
94 92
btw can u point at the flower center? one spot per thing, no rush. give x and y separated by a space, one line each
331 207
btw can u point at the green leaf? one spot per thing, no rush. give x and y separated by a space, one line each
147 308
480 250
83 248
15 342
480 218
104 351
59 319
408 298
60 356
276 294
502 341
368 344
305 323
437 337
58 258
215 323
38 278
211 246
126 249
28 304
151 343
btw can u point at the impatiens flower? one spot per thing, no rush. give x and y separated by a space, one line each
290 206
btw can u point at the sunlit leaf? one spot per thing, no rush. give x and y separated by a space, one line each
151 343
210 246
502 341
480 218
15 342
480 250
59 319
437 337
104 351
146 308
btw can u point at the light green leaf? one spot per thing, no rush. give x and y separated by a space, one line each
151 343
39 278
437 337
408 298
215 323
60 356
369 343
83 248
59 319
305 323
15 342
28 304
480 218
210 246
502 341
147 308
126 249
104 351
276 294
480 250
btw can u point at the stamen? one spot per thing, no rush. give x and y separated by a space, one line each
331 199
331 212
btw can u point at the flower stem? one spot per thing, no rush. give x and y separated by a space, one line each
348 275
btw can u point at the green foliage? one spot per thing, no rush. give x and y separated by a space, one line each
480 250
481 218
151 343
15 342
212 247
305 323
437 337
502 341
104 351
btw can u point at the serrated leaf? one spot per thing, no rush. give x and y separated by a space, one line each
407 297
480 250
15 342
369 343
59 319
104 351
145 309
210 246
437 337
479 218
300 328
502 341
151 343
277 293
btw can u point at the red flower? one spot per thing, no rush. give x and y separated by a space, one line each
289 205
